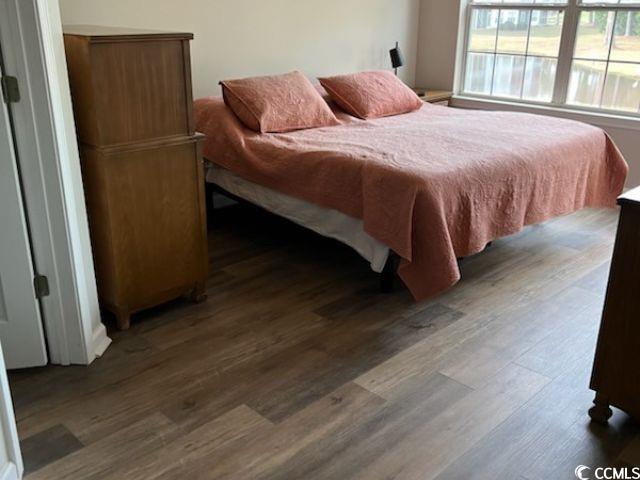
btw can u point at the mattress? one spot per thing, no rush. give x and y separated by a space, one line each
327 222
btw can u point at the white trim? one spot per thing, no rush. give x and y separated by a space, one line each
99 341
553 6
595 118
95 333
53 190
9 472
9 432
461 46
567 44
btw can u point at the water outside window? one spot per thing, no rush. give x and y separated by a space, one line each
606 68
514 53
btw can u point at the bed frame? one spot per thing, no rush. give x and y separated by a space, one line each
387 277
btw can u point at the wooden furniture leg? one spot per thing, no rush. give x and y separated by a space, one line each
123 318
388 275
600 412
198 294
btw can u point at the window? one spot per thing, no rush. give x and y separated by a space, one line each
580 53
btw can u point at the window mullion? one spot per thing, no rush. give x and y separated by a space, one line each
606 69
526 54
567 47
495 52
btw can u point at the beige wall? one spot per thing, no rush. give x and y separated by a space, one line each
437 40
629 143
236 38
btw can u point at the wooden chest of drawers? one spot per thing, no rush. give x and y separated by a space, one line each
141 165
616 369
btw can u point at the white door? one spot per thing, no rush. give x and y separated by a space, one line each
11 467
21 333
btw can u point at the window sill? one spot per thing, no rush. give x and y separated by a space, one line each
596 118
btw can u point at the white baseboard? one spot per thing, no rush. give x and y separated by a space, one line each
9 471
100 340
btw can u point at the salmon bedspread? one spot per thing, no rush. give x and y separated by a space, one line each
433 185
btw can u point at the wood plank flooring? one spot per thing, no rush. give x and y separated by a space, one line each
297 368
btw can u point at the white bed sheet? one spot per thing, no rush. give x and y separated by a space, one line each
326 222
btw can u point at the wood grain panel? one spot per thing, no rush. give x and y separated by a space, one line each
183 455
141 163
294 318
616 376
142 91
129 87
148 236
96 460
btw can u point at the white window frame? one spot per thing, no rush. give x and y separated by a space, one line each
572 10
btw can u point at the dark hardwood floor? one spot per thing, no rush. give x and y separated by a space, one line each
297 368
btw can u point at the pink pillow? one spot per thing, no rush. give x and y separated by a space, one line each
279 103
371 94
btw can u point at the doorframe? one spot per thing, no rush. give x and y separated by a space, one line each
14 469
33 50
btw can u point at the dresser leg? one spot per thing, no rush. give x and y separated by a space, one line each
124 320
198 294
600 412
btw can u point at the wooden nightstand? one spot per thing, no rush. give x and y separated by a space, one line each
437 97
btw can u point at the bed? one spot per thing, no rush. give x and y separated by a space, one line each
430 186
324 221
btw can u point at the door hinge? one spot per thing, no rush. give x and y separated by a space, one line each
10 89
41 286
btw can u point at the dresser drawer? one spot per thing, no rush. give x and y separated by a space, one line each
147 221
144 87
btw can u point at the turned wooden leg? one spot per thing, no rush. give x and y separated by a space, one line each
600 412
198 294
124 319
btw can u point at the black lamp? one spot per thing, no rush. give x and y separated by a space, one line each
397 59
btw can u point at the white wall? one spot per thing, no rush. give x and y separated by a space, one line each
236 38
437 41
437 45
